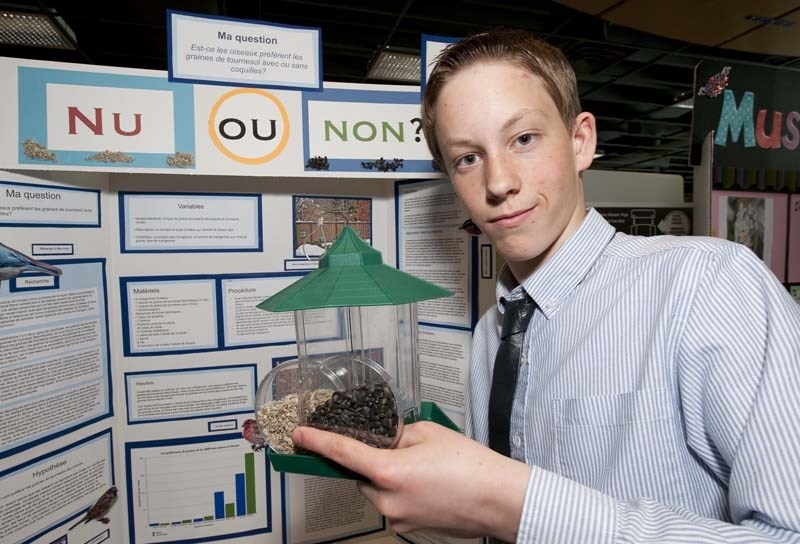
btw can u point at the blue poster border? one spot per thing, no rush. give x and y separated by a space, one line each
220 317
423 77
130 446
259 221
367 97
473 271
108 382
234 82
35 460
188 370
56 225
33 114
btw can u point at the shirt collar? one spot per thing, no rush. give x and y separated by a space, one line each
561 273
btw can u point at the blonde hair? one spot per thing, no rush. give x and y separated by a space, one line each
517 47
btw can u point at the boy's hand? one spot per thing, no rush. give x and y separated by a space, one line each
434 479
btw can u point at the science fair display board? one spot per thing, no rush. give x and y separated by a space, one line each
745 138
171 209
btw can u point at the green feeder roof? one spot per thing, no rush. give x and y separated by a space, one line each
351 273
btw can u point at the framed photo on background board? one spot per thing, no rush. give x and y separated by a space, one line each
756 220
318 221
793 268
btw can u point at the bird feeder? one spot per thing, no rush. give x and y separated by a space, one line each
364 381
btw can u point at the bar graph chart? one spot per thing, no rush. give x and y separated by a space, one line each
191 490
166 475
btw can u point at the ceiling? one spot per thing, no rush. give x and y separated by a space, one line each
630 79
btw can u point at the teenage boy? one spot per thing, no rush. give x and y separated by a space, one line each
658 392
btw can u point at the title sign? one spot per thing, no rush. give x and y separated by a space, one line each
225 51
256 138
88 119
361 131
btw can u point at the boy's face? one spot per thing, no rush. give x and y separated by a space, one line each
512 161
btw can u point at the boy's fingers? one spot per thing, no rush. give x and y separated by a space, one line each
348 452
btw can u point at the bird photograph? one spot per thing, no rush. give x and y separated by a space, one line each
100 508
13 263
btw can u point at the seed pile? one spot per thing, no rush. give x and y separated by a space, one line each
278 418
367 413
35 150
180 160
318 163
383 165
110 156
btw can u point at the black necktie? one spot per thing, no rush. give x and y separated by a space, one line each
516 317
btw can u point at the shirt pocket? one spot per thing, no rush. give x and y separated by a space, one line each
624 445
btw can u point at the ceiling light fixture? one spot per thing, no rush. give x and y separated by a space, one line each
391 65
35 29
685 104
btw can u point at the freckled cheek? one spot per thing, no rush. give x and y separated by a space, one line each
469 200
474 201
467 185
465 192
552 178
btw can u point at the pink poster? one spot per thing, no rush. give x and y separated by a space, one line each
793 275
756 220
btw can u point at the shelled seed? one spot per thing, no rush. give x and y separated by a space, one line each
110 156
278 418
34 150
180 160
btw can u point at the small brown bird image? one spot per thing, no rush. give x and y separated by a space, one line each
252 434
99 510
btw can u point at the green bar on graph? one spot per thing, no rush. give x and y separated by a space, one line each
230 510
250 482
186 521
208 518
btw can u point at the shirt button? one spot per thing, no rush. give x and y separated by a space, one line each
517 440
523 360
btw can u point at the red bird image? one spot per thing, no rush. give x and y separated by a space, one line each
252 434
99 510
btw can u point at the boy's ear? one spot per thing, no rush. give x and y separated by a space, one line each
584 139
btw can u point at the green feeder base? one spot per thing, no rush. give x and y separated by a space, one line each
313 465
310 465
430 411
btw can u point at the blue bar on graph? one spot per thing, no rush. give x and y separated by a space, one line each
197 520
240 500
219 505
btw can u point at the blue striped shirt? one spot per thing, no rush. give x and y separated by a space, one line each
658 399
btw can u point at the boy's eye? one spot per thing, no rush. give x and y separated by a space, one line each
467 160
525 139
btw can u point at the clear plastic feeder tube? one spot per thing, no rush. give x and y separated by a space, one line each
408 357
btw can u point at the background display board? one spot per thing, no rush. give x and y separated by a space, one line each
134 369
